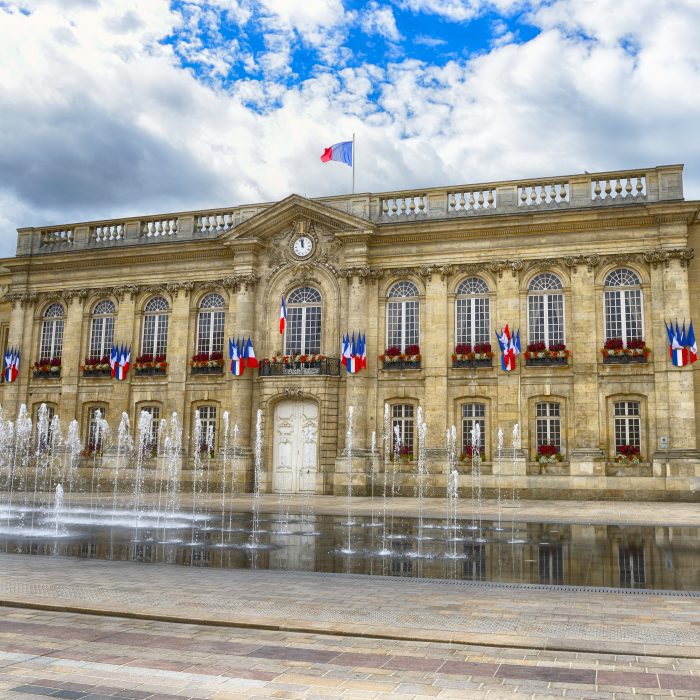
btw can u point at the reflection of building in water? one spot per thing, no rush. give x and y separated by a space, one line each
474 564
401 564
586 266
631 562
551 564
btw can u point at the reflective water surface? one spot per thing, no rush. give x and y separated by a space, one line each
651 557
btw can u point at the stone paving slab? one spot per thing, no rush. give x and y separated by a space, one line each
90 658
662 624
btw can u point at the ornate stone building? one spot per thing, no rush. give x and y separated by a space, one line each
576 263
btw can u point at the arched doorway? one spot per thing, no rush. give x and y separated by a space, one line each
295 452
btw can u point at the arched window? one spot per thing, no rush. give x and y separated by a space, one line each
628 429
204 429
154 340
545 310
210 324
52 332
623 306
97 429
102 329
303 330
402 316
472 312
402 429
153 427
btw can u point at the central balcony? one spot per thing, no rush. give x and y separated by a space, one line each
330 366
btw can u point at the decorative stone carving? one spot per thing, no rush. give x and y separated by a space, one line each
590 261
427 271
662 255
294 392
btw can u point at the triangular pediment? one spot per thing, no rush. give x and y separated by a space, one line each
281 215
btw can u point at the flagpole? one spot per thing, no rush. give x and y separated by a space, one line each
353 163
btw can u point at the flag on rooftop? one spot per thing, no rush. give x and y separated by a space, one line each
342 152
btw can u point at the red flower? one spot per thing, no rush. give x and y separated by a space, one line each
393 351
412 350
636 343
557 347
55 362
613 344
546 450
482 347
536 347
463 348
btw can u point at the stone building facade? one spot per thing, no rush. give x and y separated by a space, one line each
573 262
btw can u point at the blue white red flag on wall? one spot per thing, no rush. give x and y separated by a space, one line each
236 355
510 348
682 346
119 359
11 369
353 352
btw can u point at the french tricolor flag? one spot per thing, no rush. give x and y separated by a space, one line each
11 364
690 342
250 359
283 315
123 365
237 359
342 152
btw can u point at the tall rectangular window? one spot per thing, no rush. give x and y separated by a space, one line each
473 414
628 426
548 424
207 416
402 418
154 425
96 428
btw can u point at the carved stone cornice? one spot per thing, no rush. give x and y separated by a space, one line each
665 255
427 271
23 298
363 273
497 267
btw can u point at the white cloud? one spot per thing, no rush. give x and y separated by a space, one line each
458 10
100 119
379 20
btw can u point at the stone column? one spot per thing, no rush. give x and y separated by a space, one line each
20 336
356 388
121 390
436 353
674 385
509 405
356 384
242 388
179 351
586 456
74 351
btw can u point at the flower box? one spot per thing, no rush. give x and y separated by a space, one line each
468 455
96 367
394 358
539 355
466 356
628 454
616 352
97 372
548 454
208 363
47 369
150 366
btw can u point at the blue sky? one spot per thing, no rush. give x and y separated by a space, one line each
114 108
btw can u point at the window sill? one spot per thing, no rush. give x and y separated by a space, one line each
393 366
207 370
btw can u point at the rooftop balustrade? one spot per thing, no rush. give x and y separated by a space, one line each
590 190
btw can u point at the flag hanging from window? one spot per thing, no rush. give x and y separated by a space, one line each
283 315
250 359
342 152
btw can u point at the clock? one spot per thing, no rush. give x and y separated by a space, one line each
303 246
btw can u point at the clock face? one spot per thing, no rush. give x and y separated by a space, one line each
303 246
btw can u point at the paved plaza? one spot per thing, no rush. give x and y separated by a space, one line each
92 629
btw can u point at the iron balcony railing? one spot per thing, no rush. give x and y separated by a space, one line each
328 367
